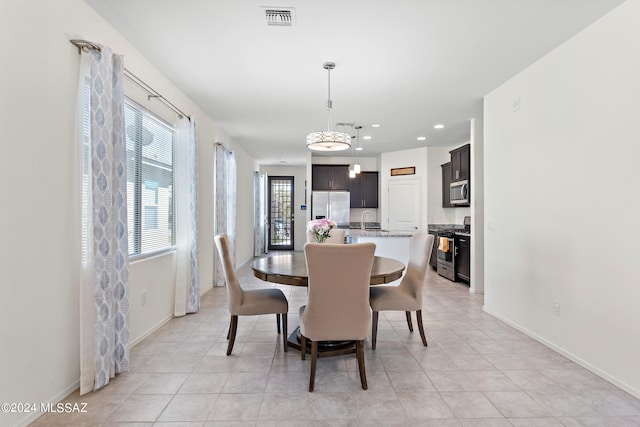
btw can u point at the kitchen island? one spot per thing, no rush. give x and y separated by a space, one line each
390 244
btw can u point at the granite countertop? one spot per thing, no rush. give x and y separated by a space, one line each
379 233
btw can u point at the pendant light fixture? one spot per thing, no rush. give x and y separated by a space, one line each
328 140
356 165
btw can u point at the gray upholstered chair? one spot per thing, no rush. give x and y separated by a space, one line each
338 300
249 302
336 236
407 296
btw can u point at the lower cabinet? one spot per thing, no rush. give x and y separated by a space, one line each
463 257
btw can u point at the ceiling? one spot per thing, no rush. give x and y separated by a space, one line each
406 65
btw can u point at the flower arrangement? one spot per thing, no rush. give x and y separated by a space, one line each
321 228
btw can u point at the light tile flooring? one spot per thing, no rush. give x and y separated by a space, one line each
476 371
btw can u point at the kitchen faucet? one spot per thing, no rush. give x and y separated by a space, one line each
362 223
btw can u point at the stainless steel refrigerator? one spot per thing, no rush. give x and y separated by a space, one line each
333 205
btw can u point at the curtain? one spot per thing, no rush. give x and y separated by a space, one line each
225 203
104 284
187 287
259 215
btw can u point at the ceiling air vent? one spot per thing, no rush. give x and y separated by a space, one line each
279 16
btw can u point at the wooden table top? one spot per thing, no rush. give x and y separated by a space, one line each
291 269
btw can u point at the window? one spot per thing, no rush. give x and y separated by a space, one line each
150 178
150 181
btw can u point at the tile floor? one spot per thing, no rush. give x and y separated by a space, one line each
476 371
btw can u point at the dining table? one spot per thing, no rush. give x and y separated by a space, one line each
291 269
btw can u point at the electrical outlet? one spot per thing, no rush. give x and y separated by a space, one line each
143 298
556 307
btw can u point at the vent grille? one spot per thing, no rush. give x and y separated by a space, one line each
279 17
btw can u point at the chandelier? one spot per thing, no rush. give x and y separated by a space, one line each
328 140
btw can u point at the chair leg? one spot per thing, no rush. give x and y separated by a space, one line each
284 330
361 367
421 328
303 346
232 333
374 330
314 359
278 321
408 313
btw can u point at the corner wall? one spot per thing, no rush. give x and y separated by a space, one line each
561 198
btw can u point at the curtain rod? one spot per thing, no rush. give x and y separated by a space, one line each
87 46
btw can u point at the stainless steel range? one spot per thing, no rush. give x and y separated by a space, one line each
445 255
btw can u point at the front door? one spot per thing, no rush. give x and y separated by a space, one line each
280 213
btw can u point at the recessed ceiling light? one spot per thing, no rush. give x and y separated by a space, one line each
366 137
421 138
358 148
375 125
438 126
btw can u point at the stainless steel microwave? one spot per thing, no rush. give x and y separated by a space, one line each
459 192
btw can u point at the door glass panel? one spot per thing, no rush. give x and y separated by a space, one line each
280 212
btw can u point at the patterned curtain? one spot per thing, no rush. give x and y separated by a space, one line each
104 287
187 286
225 202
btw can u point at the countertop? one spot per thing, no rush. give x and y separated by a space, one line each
378 233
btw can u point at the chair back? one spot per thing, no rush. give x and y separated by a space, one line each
338 299
234 290
420 252
336 237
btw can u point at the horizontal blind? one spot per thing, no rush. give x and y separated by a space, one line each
150 181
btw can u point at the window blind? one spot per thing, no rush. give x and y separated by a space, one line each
150 181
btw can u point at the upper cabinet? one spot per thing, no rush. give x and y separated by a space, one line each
364 190
461 163
446 180
330 177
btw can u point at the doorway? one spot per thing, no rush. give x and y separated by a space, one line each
281 213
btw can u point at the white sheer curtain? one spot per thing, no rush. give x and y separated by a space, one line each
104 283
225 202
187 287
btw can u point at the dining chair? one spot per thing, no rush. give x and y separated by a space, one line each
338 301
249 302
336 236
407 296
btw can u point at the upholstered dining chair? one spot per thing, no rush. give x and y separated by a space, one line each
407 296
336 236
338 301
249 302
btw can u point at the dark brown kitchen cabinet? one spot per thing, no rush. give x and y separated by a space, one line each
330 177
446 180
463 257
363 190
461 163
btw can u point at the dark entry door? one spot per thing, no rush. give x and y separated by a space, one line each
280 213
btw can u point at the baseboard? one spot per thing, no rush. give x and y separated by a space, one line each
152 330
55 399
599 372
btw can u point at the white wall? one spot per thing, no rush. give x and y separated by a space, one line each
39 221
561 198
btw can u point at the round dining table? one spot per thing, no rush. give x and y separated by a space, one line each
291 269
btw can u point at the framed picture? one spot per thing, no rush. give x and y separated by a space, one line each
403 171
